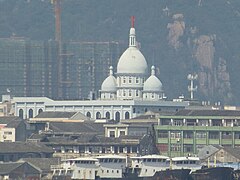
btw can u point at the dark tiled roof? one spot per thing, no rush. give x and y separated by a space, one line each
188 112
55 114
79 127
148 116
233 151
43 164
37 136
7 120
14 124
21 147
6 168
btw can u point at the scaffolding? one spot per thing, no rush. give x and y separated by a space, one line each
31 68
27 67
88 67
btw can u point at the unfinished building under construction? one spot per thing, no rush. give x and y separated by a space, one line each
28 68
86 65
31 68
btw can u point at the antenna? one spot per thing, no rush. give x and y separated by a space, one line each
191 88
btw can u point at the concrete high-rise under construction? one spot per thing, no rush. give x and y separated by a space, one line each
31 68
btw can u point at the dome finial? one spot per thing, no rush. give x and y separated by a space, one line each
132 35
110 70
153 70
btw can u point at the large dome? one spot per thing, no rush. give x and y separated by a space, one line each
109 84
132 61
152 84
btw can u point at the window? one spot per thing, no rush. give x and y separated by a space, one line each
130 80
117 116
107 115
112 134
8 132
124 80
137 80
162 134
122 133
137 93
20 113
126 115
30 113
130 93
152 95
124 93
39 111
201 135
98 115
89 114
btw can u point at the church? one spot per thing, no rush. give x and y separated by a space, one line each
126 94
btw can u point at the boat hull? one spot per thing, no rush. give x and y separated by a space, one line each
214 173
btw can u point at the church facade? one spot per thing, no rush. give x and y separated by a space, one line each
123 95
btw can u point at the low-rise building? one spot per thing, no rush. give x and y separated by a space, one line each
187 131
219 154
12 129
19 170
13 151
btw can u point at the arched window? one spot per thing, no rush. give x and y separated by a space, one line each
124 79
126 115
129 93
98 115
30 113
130 80
117 116
88 114
39 111
107 115
20 113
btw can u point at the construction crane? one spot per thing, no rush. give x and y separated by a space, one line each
61 56
57 10
58 39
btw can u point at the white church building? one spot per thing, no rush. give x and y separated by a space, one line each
125 94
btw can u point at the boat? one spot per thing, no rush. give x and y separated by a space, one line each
148 167
77 168
192 163
111 166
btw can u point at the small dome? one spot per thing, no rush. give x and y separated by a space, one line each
109 84
152 84
132 61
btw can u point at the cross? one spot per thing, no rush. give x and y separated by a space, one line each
132 21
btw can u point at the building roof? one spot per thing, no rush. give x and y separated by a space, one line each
44 164
209 150
188 112
233 151
8 119
14 124
77 127
55 114
6 168
23 147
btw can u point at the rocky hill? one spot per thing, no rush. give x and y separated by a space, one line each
178 36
